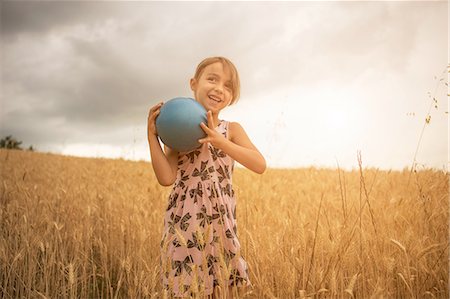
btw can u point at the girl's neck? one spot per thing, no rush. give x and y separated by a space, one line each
216 120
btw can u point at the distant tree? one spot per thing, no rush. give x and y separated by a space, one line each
10 143
31 148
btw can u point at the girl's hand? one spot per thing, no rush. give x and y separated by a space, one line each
212 136
151 120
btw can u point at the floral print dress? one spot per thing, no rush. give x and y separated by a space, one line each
200 249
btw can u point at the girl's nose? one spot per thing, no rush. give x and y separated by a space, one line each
219 88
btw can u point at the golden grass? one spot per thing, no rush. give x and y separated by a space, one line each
91 228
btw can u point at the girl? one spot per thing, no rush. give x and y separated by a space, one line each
200 251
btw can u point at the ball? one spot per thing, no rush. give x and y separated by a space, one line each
178 124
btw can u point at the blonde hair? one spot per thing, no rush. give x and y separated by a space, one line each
235 83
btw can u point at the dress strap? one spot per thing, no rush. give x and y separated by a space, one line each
226 125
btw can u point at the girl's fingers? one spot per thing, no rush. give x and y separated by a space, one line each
154 110
205 128
210 120
153 115
156 113
156 107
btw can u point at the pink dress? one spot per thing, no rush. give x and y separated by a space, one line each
200 248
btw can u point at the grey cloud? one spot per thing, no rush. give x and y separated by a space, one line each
107 82
39 17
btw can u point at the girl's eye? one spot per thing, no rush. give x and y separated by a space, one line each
212 79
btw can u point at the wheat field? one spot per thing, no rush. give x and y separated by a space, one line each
90 228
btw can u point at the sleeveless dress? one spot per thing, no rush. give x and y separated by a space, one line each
200 248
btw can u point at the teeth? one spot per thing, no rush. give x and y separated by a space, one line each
215 99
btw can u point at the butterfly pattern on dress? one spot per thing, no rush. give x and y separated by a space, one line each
210 261
183 179
176 243
221 211
212 192
195 242
205 218
201 218
216 153
190 156
228 256
184 224
174 219
196 192
173 200
179 266
228 190
216 238
204 171
236 278
223 173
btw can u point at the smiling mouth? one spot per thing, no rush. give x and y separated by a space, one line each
215 99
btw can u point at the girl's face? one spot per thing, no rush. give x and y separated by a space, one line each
214 88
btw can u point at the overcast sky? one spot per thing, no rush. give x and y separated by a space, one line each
320 80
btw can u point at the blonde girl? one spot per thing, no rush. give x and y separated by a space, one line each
200 250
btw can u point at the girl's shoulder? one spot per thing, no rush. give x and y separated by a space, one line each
233 125
234 130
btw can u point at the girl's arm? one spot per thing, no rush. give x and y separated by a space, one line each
164 164
239 147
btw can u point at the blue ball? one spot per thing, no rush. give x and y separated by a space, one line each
178 124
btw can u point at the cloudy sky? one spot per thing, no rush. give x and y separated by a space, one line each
320 80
